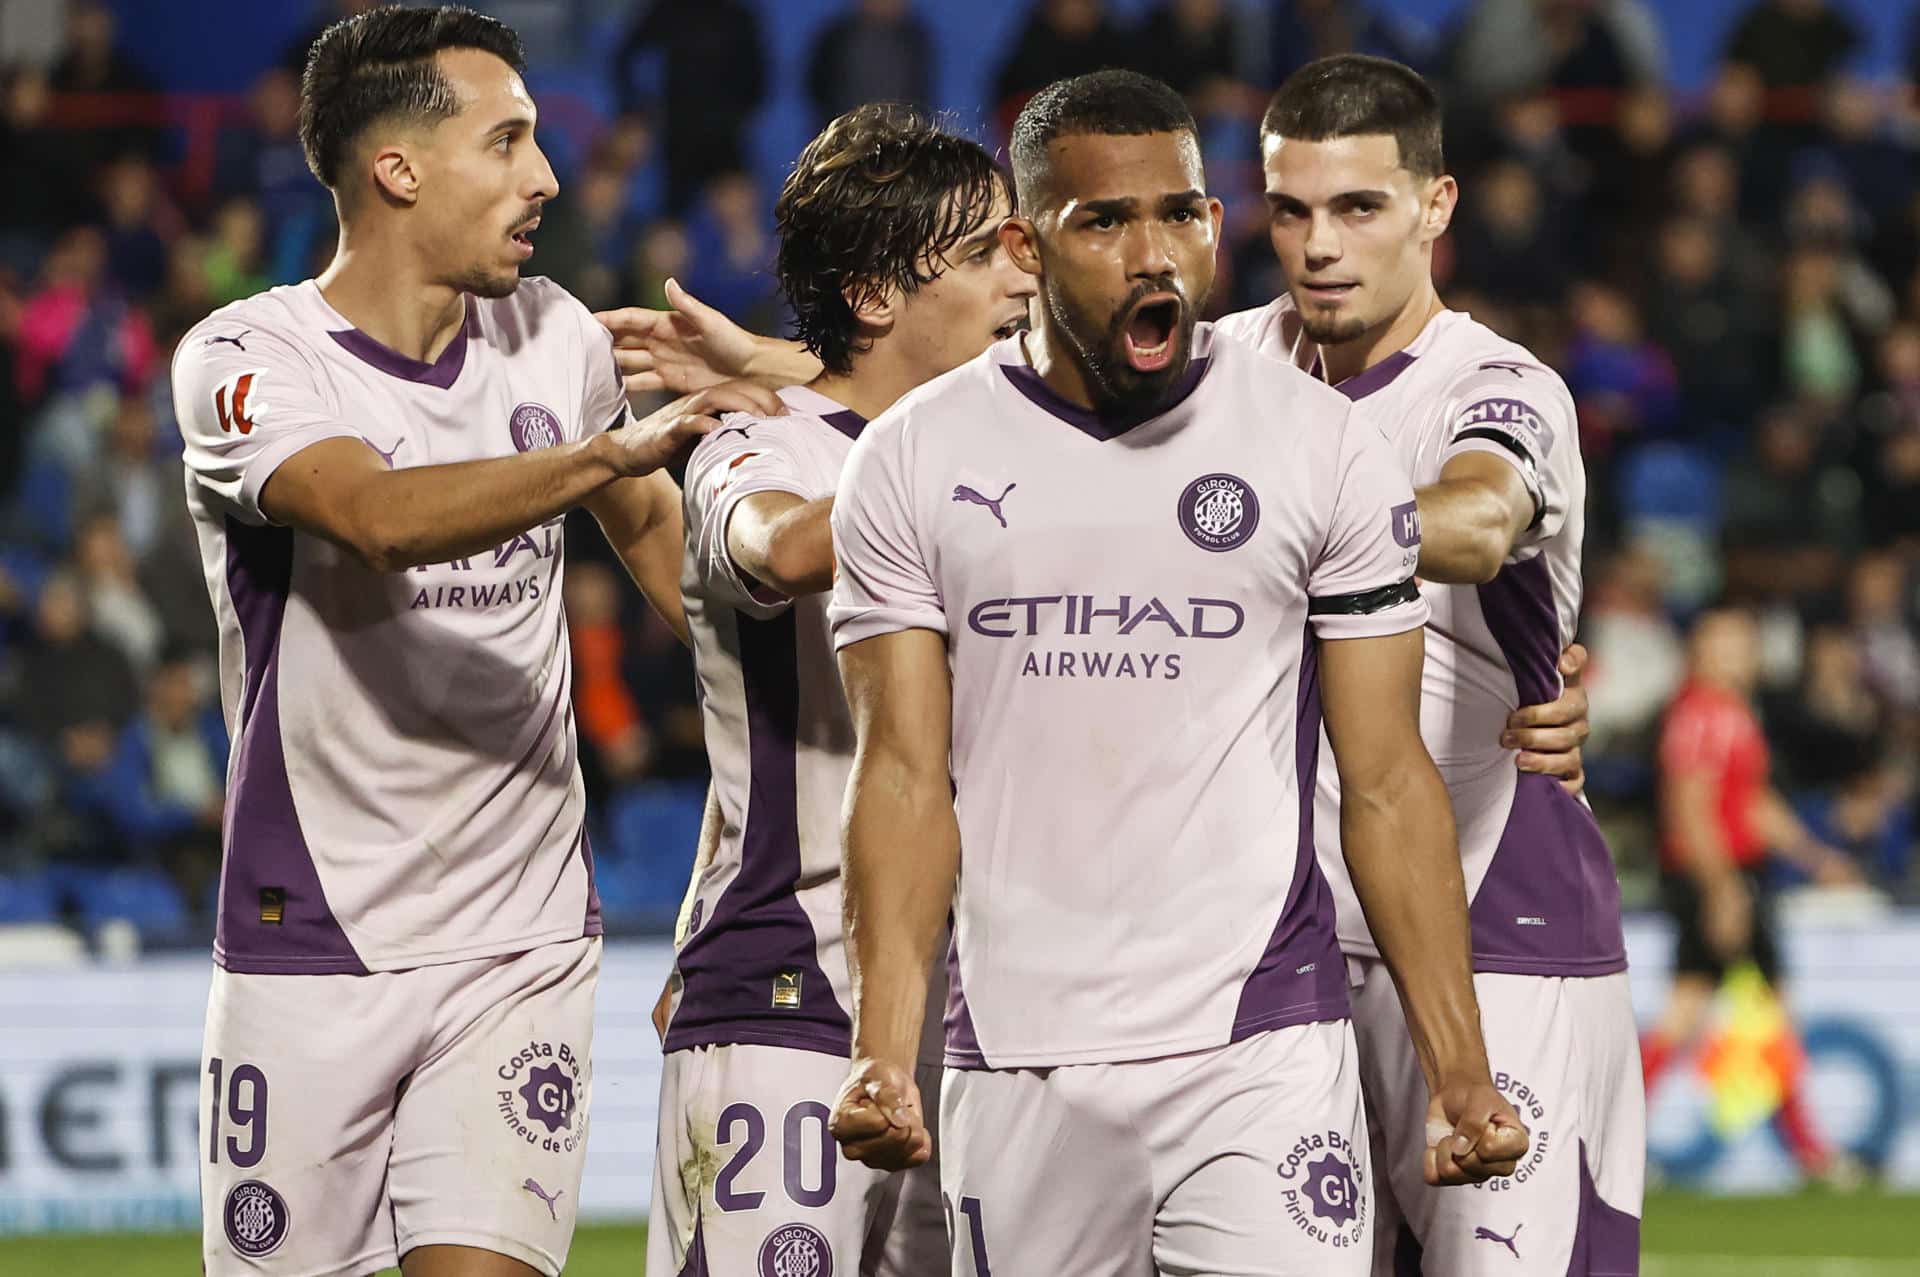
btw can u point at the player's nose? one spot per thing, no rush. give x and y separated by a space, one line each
543 184
1323 239
1150 253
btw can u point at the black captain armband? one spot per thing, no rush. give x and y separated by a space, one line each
1366 602
1528 466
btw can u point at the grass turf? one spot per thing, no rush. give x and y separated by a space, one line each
1686 1235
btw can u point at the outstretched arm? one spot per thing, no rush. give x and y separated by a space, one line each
784 541
1470 519
694 346
1396 826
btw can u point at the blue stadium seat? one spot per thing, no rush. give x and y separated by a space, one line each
27 898
1672 483
145 897
656 824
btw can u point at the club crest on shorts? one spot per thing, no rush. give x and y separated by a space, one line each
256 1218
1218 512
796 1250
540 1087
1323 1194
533 427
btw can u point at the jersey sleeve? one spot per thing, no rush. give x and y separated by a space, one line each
1521 413
1362 584
603 404
242 412
882 581
745 456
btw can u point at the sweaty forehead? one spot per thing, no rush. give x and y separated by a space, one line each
1320 170
1082 168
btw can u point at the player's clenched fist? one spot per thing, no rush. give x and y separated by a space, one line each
666 436
1473 1134
877 1117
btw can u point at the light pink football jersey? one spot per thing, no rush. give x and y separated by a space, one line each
1129 621
405 787
1545 900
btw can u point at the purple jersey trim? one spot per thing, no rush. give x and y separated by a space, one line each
1378 377
963 1044
1606 1241
1088 422
593 926
440 374
265 848
847 422
1550 901
1520 614
1301 977
757 930
695 1264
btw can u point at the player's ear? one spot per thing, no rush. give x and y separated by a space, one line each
874 312
1022 242
1443 193
394 175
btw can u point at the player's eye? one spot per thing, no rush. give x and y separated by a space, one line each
503 142
1183 216
1103 223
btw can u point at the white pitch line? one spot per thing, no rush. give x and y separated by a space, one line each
1755 1266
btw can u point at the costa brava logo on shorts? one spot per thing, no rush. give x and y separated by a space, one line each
256 1218
539 1094
1325 1196
1527 1103
1218 512
533 426
796 1250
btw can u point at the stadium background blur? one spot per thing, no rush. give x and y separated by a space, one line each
1704 213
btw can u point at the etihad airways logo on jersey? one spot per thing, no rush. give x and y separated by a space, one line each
537 545
1103 617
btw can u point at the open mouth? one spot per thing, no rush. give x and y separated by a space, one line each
523 237
1149 332
1017 324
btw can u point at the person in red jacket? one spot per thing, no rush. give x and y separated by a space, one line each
1720 819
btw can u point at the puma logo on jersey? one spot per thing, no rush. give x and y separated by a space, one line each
533 1186
992 504
235 403
231 341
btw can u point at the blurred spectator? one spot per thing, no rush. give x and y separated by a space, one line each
1623 385
732 247
1062 38
1818 353
1859 142
1735 121
1879 608
93 62
1510 46
715 77
1702 319
1303 31
611 729
187 297
1194 46
1509 248
136 251
878 51
42 178
1791 513
121 614
1637 659
73 690
1632 173
77 330
1793 44
235 260
580 237
163 789
265 163
1706 187
661 253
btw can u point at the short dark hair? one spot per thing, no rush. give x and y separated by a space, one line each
874 202
1352 94
1101 104
380 64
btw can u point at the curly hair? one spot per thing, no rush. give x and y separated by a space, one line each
874 203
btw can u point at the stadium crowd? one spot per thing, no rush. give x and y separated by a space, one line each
1729 281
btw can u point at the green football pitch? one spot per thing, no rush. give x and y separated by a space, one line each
1809 1235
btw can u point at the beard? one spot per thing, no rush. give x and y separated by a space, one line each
1331 330
489 284
1099 345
